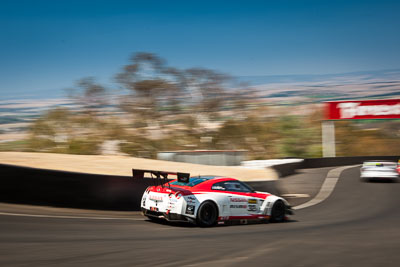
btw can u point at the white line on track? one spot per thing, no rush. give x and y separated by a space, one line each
291 195
327 187
67 217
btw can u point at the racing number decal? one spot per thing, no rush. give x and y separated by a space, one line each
243 206
252 207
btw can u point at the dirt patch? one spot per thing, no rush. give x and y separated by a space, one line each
122 165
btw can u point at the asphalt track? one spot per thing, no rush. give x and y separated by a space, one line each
357 225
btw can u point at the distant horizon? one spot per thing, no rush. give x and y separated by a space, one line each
253 80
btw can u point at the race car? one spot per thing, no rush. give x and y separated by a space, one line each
398 167
208 200
380 170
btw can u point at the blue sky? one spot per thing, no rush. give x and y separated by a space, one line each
47 45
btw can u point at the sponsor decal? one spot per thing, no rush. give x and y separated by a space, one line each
367 109
237 199
191 198
190 209
156 198
252 201
238 206
218 187
353 109
252 208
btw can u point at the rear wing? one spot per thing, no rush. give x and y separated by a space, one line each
160 175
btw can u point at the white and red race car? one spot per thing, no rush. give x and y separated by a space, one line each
208 200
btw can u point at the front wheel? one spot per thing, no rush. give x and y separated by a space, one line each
207 214
278 211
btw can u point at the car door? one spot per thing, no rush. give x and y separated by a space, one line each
241 202
221 198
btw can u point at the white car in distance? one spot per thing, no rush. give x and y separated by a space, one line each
379 170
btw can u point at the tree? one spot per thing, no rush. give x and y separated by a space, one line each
150 84
90 94
156 89
206 87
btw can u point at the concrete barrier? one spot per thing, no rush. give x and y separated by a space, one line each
25 185
342 161
205 157
287 168
69 189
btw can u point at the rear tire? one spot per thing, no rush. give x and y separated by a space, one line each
278 212
207 214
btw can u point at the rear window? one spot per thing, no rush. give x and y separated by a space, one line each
192 181
380 164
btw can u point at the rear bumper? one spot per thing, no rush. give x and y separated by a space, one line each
389 175
173 217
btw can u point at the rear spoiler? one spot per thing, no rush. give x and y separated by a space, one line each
182 177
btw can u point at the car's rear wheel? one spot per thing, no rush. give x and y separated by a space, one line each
207 214
278 211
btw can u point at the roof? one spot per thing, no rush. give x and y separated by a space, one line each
201 179
379 160
208 177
